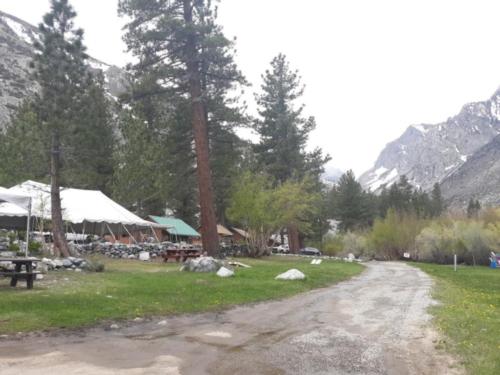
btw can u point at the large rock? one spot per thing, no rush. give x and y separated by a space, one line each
42 267
8 266
67 263
292 274
203 264
144 255
225 272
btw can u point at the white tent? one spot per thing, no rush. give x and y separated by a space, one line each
16 207
87 211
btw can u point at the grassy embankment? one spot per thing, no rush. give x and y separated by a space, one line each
129 289
469 314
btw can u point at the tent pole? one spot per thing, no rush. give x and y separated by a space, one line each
154 234
28 229
126 230
111 231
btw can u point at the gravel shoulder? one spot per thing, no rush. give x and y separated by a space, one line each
375 323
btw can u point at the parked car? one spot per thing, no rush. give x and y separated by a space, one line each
310 251
281 249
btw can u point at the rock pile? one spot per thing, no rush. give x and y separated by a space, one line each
123 251
70 263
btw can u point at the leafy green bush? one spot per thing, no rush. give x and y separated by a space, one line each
332 245
437 244
94 266
471 240
395 235
354 243
35 248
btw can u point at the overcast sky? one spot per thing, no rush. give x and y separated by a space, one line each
371 68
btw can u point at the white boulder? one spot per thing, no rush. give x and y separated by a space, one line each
202 264
144 256
292 274
225 272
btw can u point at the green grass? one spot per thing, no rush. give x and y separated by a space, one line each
129 289
469 314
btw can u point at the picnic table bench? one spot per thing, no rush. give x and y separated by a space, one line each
17 274
180 255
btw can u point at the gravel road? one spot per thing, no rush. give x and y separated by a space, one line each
375 323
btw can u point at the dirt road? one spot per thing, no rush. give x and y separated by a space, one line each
375 323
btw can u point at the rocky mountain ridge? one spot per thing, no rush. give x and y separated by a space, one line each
429 154
477 178
16 51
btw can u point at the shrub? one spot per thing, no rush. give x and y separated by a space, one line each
35 248
472 242
94 266
332 245
436 244
478 241
395 235
354 243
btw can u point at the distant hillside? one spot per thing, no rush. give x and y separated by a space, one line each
478 178
16 51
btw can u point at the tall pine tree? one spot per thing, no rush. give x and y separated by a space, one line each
284 131
353 207
179 44
60 70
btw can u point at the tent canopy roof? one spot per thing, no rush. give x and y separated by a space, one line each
19 200
79 206
175 226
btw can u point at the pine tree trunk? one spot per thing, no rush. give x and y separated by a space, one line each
293 239
209 236
60 244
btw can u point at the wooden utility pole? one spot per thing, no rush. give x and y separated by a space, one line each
209 236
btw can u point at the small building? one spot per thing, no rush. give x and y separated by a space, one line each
176 230
225 236
239 235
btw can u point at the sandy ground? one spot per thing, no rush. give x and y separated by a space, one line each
375 323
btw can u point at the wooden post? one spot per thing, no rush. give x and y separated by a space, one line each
455 262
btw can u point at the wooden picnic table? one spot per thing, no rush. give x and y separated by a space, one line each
29 275
180 255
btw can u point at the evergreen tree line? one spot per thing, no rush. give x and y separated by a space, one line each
357 209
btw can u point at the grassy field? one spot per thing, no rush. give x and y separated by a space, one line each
130 289
469 315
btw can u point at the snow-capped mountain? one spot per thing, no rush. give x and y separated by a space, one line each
427 154
331 175
16 50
